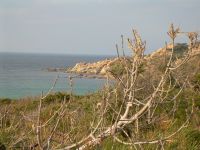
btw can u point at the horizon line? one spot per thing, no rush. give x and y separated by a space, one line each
47 53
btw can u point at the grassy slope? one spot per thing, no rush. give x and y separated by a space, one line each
19 117
83 107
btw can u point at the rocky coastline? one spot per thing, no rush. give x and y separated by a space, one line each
99 69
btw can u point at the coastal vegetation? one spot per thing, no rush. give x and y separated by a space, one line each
154 103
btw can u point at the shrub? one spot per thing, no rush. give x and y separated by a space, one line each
57 97
5 101
193 139
117 69
196 81
2 147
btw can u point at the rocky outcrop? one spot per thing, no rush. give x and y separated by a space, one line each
179 50
99 68
55 69
157 58
159 53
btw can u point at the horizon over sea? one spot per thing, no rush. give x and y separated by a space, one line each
25 74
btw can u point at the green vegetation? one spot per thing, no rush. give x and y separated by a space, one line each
153 105
193 138
15 125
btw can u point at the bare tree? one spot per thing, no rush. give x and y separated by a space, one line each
126 109
133 110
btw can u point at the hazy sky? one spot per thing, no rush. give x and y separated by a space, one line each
90 26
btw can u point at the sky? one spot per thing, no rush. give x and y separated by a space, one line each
90 26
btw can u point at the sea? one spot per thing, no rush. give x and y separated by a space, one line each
26 75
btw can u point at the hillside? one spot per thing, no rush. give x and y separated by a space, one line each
154 62
61 119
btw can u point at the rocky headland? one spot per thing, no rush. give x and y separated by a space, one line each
99 69
102 68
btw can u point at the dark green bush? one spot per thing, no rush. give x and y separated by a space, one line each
196 81
117 69
5 101
193 139
180 48
2 147
173 146
57 97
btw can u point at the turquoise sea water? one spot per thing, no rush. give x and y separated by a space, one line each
24 75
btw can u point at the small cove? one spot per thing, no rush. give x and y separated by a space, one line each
23 75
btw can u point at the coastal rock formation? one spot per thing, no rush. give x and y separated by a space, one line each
154 60
99 68
55 69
